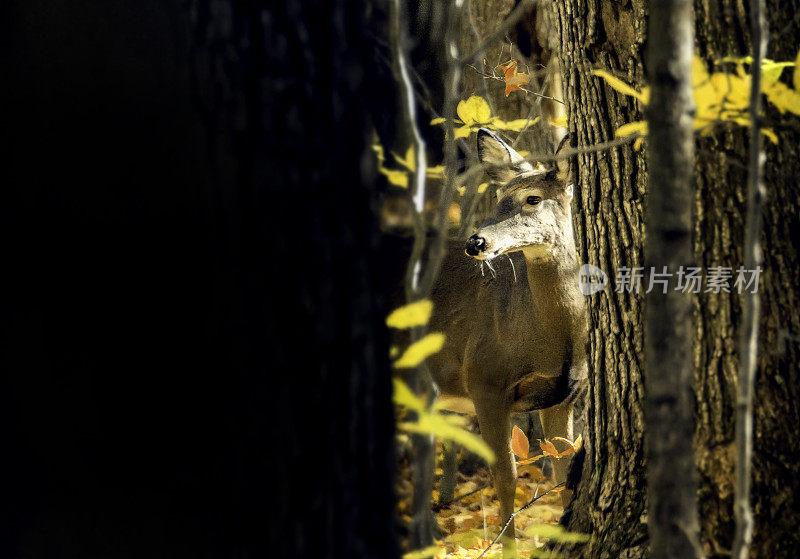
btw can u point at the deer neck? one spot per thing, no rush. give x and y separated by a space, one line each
553 282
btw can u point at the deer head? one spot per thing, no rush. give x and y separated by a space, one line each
533 207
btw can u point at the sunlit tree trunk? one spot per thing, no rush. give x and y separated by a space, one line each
610 500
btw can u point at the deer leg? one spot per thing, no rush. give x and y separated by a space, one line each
494 420
557 422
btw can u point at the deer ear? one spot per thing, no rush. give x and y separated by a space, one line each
505 163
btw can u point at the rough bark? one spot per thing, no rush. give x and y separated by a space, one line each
611 501
722 29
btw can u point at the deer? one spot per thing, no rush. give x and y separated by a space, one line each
516 341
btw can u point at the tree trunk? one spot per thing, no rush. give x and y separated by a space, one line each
198 361
610 500
723 29
669 409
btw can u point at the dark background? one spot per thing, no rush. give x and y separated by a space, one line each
194 358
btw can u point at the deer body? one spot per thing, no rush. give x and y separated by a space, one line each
515 338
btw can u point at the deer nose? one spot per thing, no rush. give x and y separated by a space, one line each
475 245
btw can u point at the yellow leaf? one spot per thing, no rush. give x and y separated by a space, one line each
417 313
770 134
438 120
378 149
515 125
619 85
420 350
638 127
435 172
783 97
519 443
637 144
398 178
770 73
483 186
560 121
409 161
463 131
475 109
438 425
403 396
555 532
796 75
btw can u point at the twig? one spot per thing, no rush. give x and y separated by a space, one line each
452 79
417 187
511 20
748 343
542 157
438 507
514 514
498 78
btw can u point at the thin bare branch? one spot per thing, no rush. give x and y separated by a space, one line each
748 342
417 187
513 17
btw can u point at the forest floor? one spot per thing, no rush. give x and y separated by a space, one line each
470 523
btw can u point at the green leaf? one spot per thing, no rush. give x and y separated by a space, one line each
417 313
420 350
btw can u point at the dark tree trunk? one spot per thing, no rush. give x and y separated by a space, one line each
198 362
610 500
723 29
669 406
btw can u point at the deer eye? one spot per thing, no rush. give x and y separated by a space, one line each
533 200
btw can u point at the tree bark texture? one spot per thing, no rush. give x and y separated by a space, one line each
723 29
610 187
609 190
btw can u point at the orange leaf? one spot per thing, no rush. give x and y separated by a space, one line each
548 448
530 460
513 78
519 443
569 443
557 489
